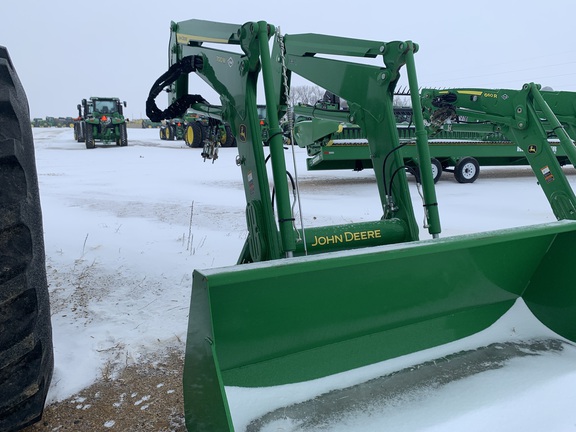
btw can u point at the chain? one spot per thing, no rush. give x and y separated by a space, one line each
289 114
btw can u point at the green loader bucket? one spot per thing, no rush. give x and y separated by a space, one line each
293 320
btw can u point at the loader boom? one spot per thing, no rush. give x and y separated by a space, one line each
234 76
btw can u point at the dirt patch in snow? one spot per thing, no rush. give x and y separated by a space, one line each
144 397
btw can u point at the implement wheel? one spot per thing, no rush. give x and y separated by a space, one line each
467 170
26 353
436 169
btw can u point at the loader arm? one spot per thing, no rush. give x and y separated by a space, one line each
369 90
233 75
523 116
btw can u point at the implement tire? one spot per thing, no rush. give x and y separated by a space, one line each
26 353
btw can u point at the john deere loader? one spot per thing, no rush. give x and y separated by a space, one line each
307 302
26 353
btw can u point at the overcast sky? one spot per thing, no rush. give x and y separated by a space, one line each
65 51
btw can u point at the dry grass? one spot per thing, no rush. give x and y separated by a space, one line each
144 397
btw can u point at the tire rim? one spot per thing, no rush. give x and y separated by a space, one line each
468 171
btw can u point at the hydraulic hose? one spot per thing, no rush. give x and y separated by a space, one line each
177 108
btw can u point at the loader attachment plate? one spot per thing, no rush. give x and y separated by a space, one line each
299 319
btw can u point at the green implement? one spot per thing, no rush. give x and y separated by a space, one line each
461 146
304 303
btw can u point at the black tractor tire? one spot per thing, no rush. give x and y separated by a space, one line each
194 135
123 135
229 139
90 140
188 134
169 133
81 132
26 352
162 132
467 170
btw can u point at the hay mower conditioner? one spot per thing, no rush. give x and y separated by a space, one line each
282 317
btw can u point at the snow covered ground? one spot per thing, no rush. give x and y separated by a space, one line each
125 227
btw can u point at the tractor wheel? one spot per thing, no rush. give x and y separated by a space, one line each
90 141
162 133
123 139
228 138
169 133
26 353
81 132
188 134
124 135
467 170
194 135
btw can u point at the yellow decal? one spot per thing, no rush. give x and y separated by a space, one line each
185 39
243 133
470 92
346 237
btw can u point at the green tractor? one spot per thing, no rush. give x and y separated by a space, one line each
195 129
172 129
104 121
198 128
39 122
